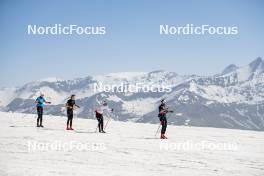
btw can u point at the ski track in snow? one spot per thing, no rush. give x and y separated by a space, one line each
130 149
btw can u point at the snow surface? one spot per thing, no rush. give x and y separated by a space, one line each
129 149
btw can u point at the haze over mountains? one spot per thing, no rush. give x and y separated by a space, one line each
233 98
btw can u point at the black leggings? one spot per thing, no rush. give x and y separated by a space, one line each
40 114
100 120
70 117
163 122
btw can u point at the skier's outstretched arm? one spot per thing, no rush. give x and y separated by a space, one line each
47 102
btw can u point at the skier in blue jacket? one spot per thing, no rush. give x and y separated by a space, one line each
40 101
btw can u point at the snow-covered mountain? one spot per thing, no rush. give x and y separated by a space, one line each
232 99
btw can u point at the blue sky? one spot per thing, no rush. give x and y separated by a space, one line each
132 42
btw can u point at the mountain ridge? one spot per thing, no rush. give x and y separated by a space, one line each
231 100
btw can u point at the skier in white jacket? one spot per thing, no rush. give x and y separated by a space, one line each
99 115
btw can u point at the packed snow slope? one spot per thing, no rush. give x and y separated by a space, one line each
129 149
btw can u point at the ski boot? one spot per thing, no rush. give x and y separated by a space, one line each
162 136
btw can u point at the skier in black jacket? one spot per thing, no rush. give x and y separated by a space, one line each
70 105
163 110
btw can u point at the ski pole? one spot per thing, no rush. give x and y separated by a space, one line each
106 123
157 130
